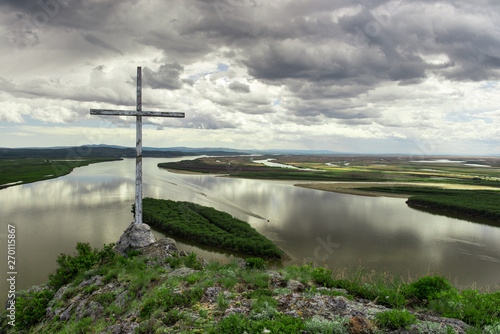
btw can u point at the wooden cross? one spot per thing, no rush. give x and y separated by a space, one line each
138 160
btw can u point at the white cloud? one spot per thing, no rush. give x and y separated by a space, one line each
281 73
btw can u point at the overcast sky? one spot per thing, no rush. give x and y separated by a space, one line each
368 76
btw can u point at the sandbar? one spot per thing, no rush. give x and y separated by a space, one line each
350 187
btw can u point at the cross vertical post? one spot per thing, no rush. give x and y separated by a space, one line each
139 113
138 153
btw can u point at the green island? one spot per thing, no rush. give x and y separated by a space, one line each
476 203
101 291
455 185
207 226
28 170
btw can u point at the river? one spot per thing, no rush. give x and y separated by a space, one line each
93 204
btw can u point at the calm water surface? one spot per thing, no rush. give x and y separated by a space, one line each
94 204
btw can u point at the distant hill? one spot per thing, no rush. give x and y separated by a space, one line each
113 151
224 149
103 151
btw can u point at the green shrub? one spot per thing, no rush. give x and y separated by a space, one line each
470 306
71 266
69 293
111 275
255 263
133 253
385 294
302 274
228 282
264 308
239 323
213 266
192 262
193 278
234 323
106 298
428 327
255 278
148 327
171 317
30 308
175 262
256 294
228 277
323 277
140 280
318 325
395 319
115 310
203 312
222 301
166 298
428 287
83 326
91 288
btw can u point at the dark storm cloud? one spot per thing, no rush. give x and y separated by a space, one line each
384 47
326 55
329 90
239 87
325 60
20 5
343 42
82 15
339 109
22 33
179 48
100 43
167 76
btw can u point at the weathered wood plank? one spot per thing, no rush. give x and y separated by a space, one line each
138 151
109 112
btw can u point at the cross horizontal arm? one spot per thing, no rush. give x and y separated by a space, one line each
109 112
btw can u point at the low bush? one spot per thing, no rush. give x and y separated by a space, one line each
171 317
428 287
386 293
470 306
323 277
255 263
302 274
30 307
318 325
383 293
175 261
71 266
83 326
166 298
257 279
239 323
428 327
106 298
395 319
